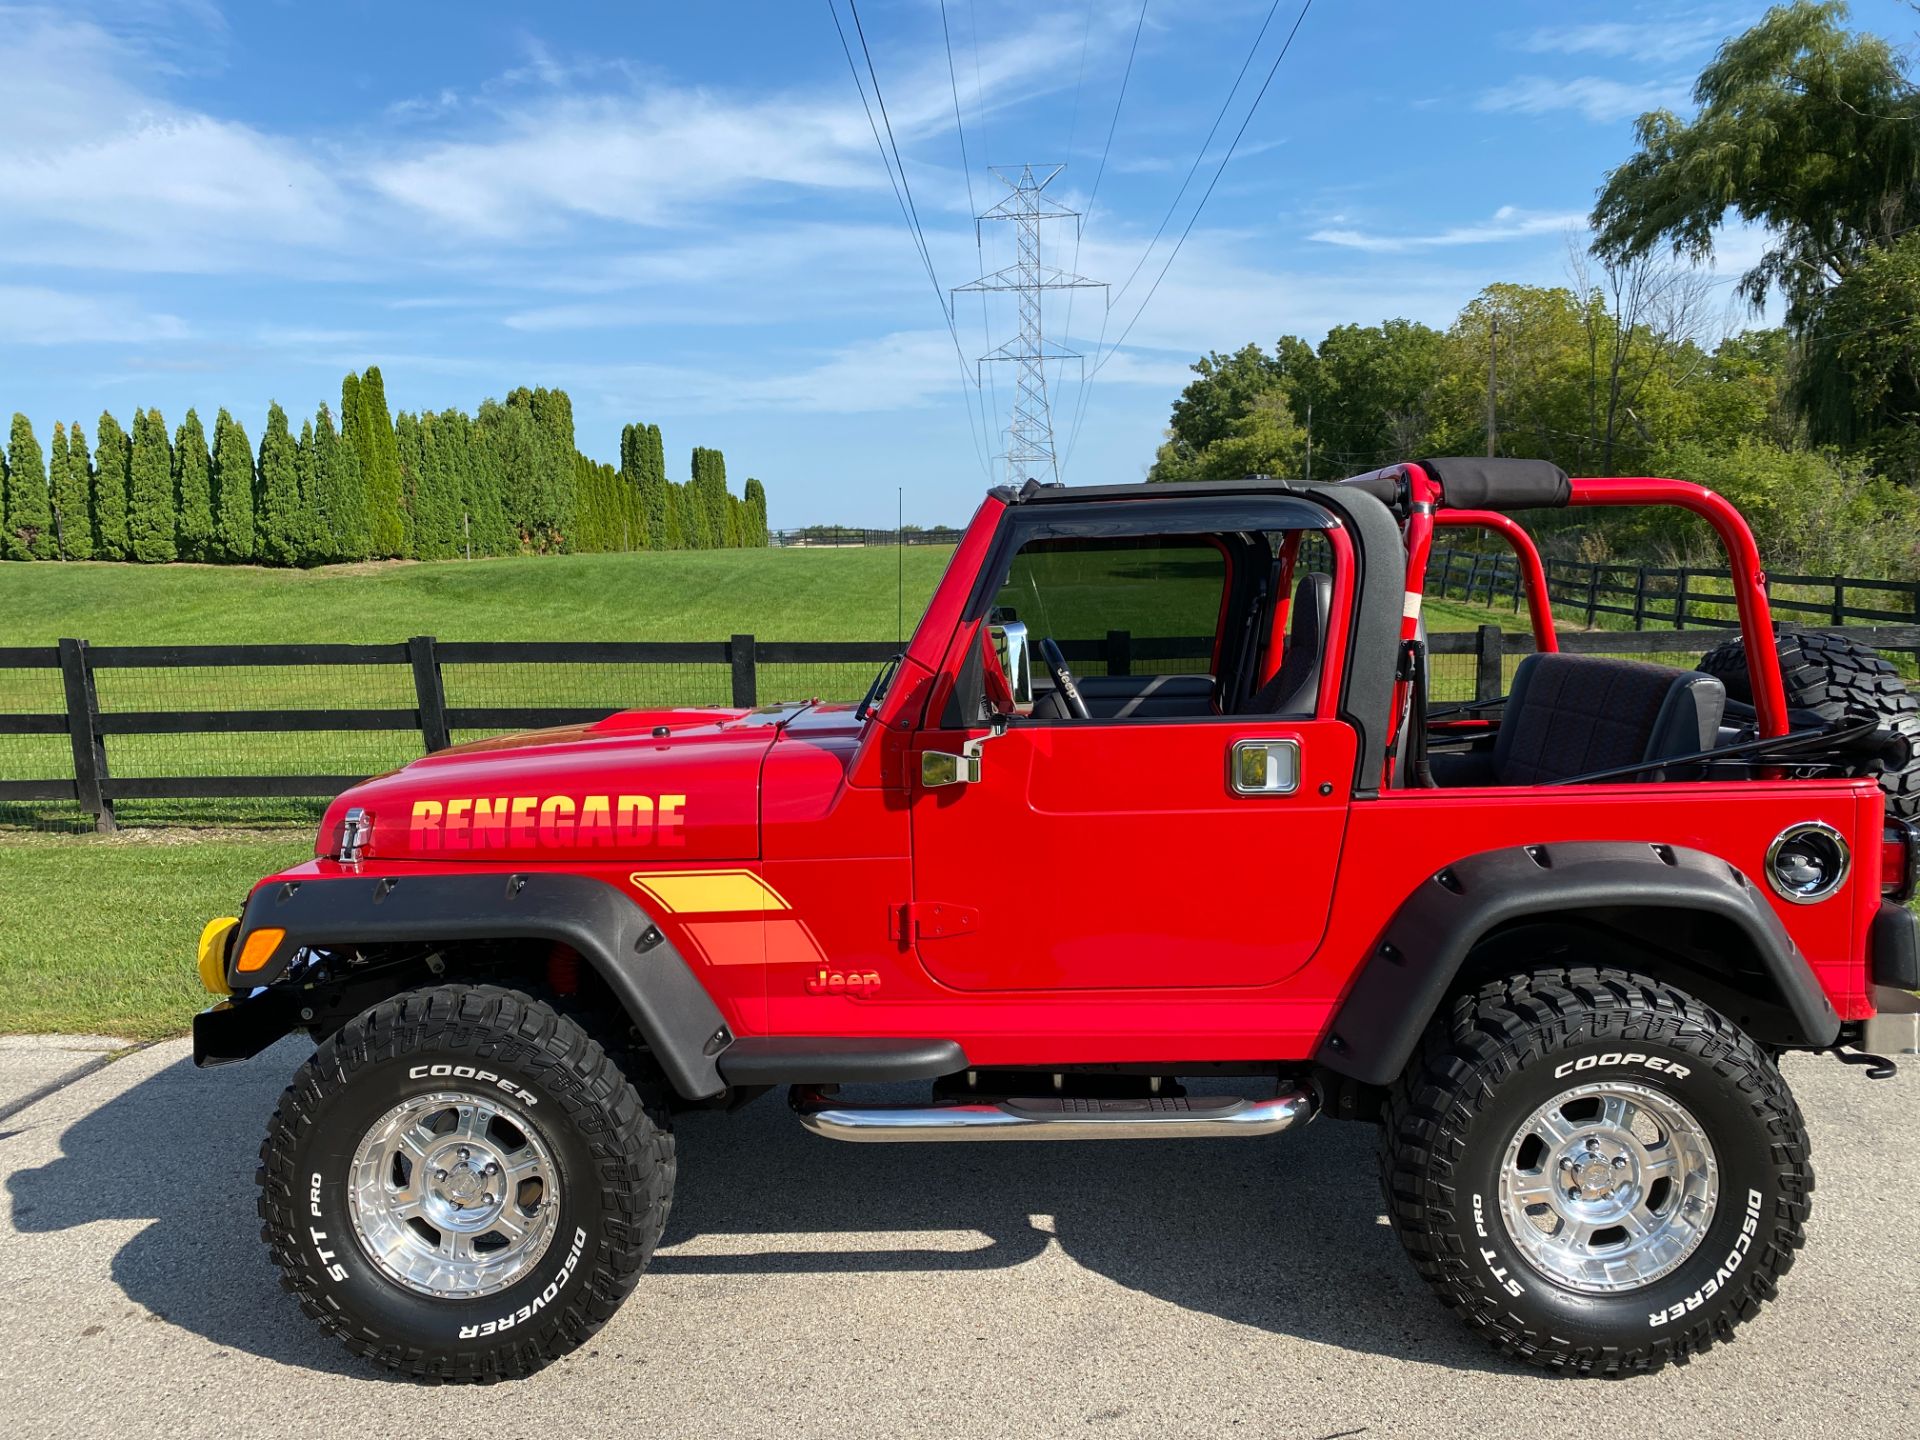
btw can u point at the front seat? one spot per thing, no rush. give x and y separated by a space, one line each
1296 684
1571 715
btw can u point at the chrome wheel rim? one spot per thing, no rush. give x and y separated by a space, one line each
1608 1187
453 1195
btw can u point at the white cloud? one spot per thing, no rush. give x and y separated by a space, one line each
36 315
96 171
1508 223
99 171
1599 99
1652 39
654 153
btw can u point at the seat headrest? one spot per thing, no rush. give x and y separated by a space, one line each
1312 603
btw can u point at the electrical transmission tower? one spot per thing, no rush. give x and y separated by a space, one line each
1030 429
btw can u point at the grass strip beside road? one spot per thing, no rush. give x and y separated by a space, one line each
97 934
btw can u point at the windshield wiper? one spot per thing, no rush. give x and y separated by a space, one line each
876 692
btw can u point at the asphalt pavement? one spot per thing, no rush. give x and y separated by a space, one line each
805 1288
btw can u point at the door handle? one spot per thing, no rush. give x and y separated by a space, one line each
1265 767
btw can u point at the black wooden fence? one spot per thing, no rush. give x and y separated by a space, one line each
1467 665
835 535
1654 595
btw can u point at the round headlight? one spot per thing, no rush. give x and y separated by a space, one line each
1807 862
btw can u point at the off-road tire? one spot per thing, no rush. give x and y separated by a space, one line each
615 1159
1834 676
1487 1062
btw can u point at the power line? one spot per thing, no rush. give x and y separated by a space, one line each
1193 169
907 209
980 129
1092 195
913 211
1218 172
1073 124
979 247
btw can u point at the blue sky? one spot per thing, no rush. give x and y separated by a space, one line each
677 212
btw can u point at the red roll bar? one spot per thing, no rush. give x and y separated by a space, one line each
1743 558
1532 573
1426 507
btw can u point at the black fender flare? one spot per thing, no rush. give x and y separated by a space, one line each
652 980
1414 963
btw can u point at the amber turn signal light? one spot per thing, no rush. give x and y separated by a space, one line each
259 948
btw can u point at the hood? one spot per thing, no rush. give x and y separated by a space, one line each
660 784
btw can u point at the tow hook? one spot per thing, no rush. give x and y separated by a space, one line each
1879 1067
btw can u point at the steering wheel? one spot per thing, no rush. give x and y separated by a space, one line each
1063 679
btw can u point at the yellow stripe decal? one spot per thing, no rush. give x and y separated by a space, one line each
710 892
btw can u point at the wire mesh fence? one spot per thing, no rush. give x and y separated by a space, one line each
1640 597
265 735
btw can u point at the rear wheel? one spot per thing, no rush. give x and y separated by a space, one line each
1597 1172
461 1186
1834 676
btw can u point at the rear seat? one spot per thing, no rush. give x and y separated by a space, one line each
1571 715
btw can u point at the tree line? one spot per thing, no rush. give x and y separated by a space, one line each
363 485
1811 427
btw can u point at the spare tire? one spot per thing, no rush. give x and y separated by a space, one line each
1832 676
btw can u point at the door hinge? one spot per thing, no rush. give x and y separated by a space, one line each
931 920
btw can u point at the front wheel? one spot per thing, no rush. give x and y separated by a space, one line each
461 1186
1596 1171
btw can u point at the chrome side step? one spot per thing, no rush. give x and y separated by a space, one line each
1059 1118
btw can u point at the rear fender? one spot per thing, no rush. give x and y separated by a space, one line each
661 996
1418 959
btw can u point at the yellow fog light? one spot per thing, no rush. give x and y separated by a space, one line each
213 954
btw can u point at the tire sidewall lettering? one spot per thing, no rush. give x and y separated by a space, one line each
1747 1188
335 1255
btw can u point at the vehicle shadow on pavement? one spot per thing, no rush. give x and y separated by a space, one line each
1284 1235
179 1149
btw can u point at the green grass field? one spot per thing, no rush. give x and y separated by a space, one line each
805 594
97 934
798 594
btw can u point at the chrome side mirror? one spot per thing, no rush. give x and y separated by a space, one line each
1016 660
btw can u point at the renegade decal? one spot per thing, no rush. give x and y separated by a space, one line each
482 822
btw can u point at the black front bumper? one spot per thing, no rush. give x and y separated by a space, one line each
240 1028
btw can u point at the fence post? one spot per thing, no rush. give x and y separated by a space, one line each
1473 579
89 746
1593 591
1489 645
1839 601
1119 652
1639 597
430 693
746 686
1680 599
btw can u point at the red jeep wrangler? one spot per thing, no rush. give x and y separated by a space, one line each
1552 949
